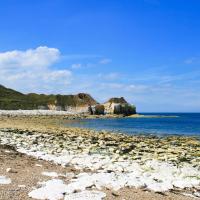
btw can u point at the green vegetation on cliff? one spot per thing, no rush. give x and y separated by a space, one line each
13 100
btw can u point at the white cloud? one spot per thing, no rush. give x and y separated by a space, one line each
110 76
39 57
81 56
126 87
112 86
30 70
105 61
76 66
137 88
59 74
192 60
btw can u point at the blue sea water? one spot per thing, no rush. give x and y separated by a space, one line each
179 124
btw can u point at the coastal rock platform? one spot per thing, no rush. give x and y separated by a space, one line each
121 166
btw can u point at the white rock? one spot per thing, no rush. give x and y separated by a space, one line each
182 183
197 194
21 186
51 174
10 170
160 187
86 195
38 165
52 190
4 180
69 175
189 195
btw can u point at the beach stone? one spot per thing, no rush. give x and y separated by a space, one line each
10 170
86 195
197 194
4 180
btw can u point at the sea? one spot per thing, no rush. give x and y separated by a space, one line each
159 124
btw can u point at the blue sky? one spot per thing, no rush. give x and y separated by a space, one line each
145 50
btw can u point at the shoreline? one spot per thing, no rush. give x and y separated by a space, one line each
114 153
71 115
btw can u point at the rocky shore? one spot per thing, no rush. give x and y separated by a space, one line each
105 160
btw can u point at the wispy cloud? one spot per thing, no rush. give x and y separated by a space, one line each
109 76
80 56
105 61
190 60
76 66
137 88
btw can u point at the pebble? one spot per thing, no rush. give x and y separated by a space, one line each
51 174
86 195
10 170
4 180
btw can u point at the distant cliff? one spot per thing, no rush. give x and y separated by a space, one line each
13 100
80 103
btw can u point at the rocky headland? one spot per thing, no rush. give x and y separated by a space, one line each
81 103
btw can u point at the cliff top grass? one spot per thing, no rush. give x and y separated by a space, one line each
13 100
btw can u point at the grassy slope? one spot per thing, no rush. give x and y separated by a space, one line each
11 99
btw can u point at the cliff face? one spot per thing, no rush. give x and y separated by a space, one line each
120 100
80 103
13 100
119 106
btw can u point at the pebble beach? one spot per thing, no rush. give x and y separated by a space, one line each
88 164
